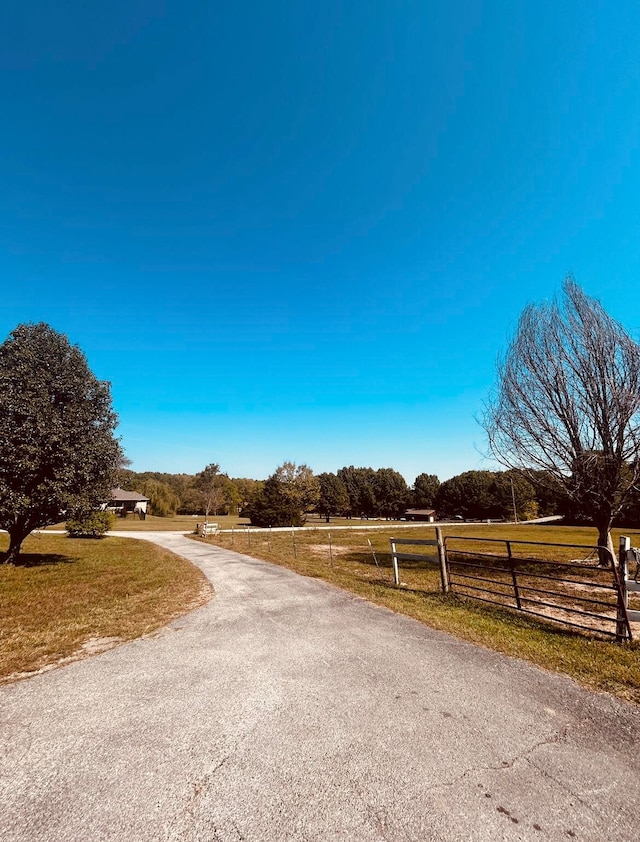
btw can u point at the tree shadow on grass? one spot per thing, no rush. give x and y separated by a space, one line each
366 557
40 559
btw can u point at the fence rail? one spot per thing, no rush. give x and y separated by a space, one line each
396 556
580 593
573 593
629 584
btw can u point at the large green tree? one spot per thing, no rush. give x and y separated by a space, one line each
487 494
163 501
58 452
391 493
359 483
470 494
425 489
334 499
285 497
298 485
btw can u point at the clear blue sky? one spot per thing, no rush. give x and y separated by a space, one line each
305 230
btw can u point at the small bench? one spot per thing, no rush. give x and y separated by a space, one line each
208 529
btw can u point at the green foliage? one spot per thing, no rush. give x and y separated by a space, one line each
486 495
359 485
94 524
271 509
551 496
285 497
425 489
298 485
381 493
209 487
246 489
391 493
232 495
334 499
468 494
163 501
57 446
168 493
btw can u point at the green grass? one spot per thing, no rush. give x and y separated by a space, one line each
68 593
596 663
178 523
187 523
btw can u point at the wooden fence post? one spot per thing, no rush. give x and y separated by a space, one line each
442 557
513 576
623 596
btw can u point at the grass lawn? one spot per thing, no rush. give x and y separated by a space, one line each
178 523
72 596
187 523
349 564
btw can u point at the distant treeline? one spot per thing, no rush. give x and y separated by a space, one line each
292 490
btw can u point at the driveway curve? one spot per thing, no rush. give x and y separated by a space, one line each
286 709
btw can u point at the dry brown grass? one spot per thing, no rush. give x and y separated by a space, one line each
70 597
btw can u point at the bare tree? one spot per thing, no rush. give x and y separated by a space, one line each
567 404
209 485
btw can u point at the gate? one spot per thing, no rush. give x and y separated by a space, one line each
629 584
579 593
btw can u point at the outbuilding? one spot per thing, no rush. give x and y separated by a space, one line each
427 515
121 502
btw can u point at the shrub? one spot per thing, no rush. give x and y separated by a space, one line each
90 524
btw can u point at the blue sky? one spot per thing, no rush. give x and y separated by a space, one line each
305 231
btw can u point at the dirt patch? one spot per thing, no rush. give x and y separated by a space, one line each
99 644
336 549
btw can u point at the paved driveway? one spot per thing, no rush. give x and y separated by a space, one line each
288 710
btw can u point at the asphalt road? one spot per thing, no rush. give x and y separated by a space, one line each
288 710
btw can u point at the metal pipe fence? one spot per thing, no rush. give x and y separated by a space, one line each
582 593
579 593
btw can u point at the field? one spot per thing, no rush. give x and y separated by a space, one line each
187 523
72 597
345 558
178 523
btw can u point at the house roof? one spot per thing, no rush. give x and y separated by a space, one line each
119 495
420 511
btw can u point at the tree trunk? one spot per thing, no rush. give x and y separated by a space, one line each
605 540
17 534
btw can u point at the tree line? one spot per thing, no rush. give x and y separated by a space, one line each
286 496
294 491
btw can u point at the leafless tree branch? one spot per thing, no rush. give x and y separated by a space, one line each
568 402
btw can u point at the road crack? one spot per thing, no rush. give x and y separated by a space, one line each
556 739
